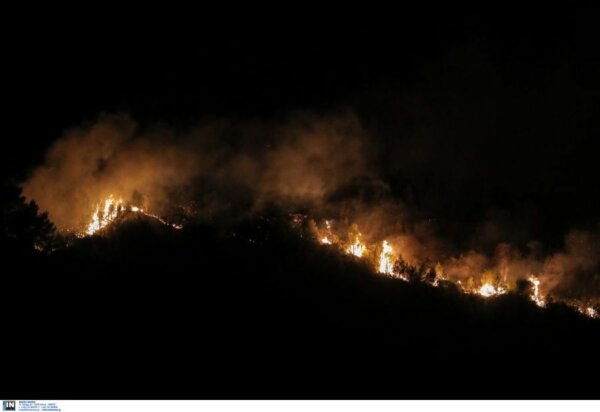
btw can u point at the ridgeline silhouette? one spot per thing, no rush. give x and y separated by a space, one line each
256 311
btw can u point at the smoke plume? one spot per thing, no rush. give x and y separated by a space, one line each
214 167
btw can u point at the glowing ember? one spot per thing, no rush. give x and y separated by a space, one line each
386 264
326 241
536 296
488 290
160 219
357 249
588 311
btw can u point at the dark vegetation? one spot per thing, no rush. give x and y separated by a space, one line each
255 311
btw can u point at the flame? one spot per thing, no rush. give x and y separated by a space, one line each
386 264
589 312
386 261
357 248
536 296
487 290
110 209
439 275
105 213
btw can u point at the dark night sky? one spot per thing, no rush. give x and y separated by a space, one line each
495 108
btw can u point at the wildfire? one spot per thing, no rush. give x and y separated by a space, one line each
357 248
589 312
392 264
383 261
104 214
386 264
487 290
110 209
536 296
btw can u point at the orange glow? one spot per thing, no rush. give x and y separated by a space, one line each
536 295
383 258
106 212
386 264
357 248
588 311
110 209
487 290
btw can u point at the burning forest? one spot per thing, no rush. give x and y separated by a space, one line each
108 211
346 208
100 174
487 284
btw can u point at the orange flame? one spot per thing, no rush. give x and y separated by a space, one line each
109 210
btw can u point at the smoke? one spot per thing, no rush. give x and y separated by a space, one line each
572 272
327 165
92 162
215 167
575 272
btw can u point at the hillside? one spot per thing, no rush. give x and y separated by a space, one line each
255 310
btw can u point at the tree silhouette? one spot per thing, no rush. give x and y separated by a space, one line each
22 227
524 287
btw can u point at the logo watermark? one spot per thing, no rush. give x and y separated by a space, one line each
9 405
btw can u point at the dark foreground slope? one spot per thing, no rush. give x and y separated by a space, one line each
257 311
